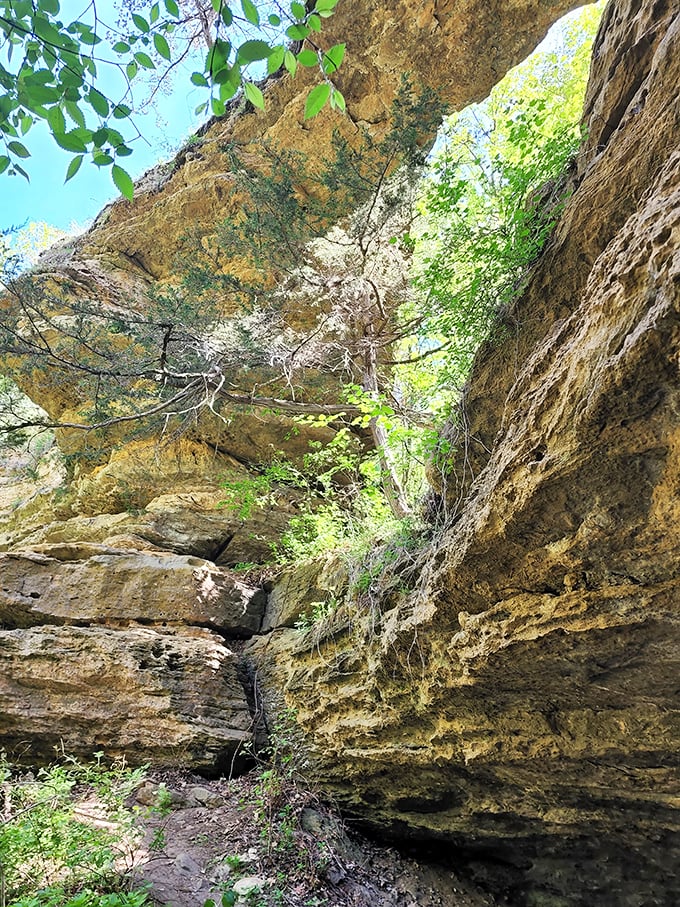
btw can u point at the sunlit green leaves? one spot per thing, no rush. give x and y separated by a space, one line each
333 58
307 57
162 46
144 60
141 23
250 12
325 7
123 181
275 59
254 95
316 99
19 149
250 51
98 102
49 68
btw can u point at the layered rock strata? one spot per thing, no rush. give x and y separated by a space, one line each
519 703
95 562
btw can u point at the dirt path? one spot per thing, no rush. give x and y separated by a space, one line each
263 841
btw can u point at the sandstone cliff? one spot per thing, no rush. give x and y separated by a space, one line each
519 701
512 696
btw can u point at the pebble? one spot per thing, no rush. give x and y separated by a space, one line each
248 884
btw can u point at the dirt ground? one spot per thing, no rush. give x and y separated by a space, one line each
262 840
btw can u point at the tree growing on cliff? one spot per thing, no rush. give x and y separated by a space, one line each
228 336
281 311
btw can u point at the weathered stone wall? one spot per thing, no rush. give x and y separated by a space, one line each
134 541
519 703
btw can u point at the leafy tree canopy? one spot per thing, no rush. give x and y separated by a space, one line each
53 68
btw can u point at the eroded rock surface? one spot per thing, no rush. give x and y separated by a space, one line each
515 697
136 499
163 697
93 584
520 703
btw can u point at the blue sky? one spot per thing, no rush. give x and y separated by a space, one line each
47 198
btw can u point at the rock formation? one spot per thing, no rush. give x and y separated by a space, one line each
512 696
519 702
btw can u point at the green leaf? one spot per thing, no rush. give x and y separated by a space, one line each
141 23
307 57
250 12
314 22
131 70
45 30
325 6
161 46
4 162
18 149
55 120
297 32
75 113
50 6
229 75
274 20
90 38
217 107
316 99
254 95
198 78
290 62
101 158
338 101
217 57
144 60
98 102
298 10
121 111
172 8
250 51
17 169
70 141
123 182
155 13
275 59
333 58
230 86
121 47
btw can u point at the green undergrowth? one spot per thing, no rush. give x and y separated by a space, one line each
72 834
67 836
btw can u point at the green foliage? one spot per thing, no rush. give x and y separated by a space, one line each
50 69
56 853
497 185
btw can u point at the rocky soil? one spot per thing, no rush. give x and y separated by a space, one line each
279 842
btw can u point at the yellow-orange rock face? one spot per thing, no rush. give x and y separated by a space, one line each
515 696
521 700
